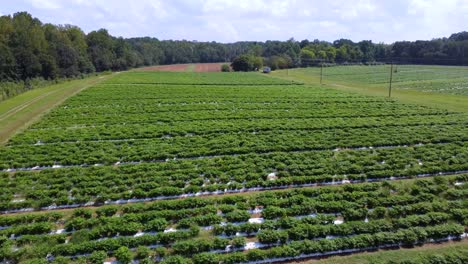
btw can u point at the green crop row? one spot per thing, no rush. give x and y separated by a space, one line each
211 78
412 212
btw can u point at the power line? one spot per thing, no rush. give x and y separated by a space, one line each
391 78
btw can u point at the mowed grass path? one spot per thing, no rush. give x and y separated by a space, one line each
398 256
20 111
373 80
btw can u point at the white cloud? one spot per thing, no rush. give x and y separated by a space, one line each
438 17
232 20
45 4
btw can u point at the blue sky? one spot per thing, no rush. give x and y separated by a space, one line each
235 20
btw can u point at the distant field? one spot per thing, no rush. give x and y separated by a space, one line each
436 79
246 165
197 67
190 78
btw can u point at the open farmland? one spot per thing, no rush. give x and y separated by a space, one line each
423 78
198 67
141 137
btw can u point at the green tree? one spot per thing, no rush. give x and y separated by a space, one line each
28 45
100 49
307 57
60 48
78 40
242 63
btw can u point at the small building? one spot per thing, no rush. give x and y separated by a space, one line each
266 69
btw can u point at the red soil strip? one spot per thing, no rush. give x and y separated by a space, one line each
170 68
208 67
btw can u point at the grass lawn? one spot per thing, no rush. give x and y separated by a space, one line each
20 111
403 254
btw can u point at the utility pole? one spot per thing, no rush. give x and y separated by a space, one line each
321 73
391 79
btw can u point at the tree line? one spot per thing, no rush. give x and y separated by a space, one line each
31 49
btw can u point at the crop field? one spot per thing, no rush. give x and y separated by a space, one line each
232 168
181 78
273 225
436 79
198 67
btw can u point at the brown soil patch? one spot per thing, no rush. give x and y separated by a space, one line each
170 68
197 67
208 67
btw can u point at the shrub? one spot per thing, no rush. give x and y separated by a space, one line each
247 63
225 68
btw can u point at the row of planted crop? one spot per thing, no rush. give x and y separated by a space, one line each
265 233
77 245
183 104
233 253
205 94
317 248
59 200
347 201
358 111
195 78
109 152
154 107
192 128
174 178
268 232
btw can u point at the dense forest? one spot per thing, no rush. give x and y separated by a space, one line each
30 49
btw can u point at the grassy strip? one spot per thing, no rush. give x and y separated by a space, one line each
20 111
399 256
438 100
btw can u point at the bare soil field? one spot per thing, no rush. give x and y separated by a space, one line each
171 68
208 67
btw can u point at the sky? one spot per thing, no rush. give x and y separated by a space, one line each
255 20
